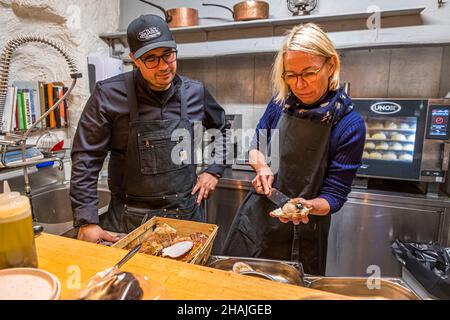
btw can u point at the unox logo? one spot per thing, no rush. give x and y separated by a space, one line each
149 33
386 107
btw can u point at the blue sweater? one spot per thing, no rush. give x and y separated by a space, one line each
346 148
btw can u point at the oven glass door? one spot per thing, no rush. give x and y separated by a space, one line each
394 137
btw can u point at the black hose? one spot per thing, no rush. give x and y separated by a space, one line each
167 16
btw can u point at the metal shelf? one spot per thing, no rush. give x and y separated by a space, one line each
281 22
205 48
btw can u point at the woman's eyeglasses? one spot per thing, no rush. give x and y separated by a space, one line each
309 77
152 61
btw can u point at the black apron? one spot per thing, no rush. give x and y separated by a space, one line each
150 183
303 163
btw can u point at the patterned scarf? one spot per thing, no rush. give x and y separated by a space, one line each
331 108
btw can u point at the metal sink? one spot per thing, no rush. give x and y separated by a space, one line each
52 208
389 289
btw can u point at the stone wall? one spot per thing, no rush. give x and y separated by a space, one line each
76 24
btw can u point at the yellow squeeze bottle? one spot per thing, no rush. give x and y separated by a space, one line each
17 246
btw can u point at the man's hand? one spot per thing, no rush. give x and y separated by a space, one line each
263 180
206 184
94 233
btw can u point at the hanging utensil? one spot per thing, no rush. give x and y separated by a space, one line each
301 7
246 10
178 17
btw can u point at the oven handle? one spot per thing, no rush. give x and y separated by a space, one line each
445 156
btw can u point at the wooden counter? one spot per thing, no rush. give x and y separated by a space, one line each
70 259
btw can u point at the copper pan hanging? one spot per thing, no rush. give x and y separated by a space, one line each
246 10
178 17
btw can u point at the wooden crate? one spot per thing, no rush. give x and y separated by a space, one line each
184 229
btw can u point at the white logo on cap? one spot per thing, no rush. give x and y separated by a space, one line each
149 33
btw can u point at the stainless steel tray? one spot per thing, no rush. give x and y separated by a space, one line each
280 271
357 287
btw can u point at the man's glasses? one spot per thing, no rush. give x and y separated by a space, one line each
309 77
152 61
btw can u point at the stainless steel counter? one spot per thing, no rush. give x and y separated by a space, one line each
361 232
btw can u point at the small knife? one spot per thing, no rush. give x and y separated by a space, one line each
280 199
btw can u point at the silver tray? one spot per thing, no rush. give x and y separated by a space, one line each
275 270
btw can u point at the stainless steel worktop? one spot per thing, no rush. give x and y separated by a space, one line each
243 179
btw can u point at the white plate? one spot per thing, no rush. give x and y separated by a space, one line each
28 284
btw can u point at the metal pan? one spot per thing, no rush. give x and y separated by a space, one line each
279 271
246 10
178 17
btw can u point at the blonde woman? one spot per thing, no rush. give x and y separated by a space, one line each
321 142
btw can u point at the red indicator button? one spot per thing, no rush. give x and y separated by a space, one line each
439 120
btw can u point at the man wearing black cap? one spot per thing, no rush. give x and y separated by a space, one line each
135 116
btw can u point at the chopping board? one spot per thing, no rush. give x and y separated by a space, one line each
74 262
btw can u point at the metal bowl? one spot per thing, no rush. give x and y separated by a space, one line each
275 270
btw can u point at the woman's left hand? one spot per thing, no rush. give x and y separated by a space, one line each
318 206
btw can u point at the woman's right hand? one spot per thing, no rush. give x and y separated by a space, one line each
264 176
263 181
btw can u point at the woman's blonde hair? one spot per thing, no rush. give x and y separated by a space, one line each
308 38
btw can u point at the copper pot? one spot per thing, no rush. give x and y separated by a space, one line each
247 10
178 17
183 17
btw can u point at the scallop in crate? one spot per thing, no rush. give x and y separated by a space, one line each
161 233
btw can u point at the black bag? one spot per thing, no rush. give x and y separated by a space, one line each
429 264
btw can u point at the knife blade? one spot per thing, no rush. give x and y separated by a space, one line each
278 197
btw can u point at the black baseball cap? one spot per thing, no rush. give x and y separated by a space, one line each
147 33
